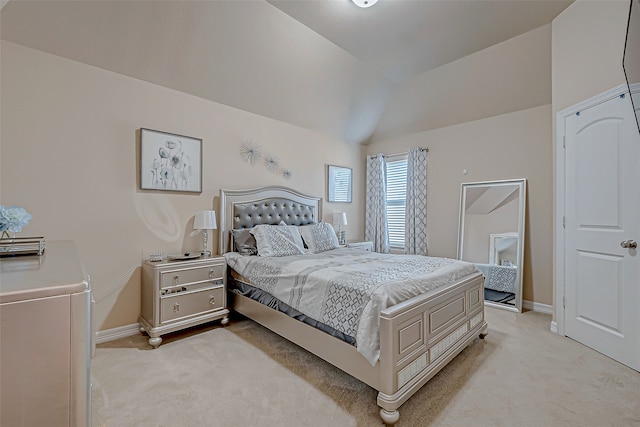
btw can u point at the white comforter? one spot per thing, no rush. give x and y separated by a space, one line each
348 288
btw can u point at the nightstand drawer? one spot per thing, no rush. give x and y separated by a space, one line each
191 275
178 294
180 305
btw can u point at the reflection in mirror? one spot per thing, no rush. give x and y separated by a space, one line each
491 235
503 249
631 61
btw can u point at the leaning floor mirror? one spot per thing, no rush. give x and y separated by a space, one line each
491 235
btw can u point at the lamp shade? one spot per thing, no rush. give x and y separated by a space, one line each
205 220
340 218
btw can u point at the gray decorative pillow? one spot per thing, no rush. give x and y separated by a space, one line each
276 240
244 242
319 237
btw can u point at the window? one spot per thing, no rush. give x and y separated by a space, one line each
396 199
339 184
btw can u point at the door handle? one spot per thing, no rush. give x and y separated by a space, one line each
629 244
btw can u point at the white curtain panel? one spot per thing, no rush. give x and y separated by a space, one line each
415 232
375 226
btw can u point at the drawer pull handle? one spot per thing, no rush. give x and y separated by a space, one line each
176 307
176 279
212 299
211 274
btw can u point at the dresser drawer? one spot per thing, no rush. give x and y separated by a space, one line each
186 304
191 275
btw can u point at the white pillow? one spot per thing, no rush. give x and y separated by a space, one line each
319 237
276 240
295 231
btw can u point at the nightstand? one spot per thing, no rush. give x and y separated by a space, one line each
362 245
181 294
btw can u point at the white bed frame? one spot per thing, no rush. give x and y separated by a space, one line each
418 337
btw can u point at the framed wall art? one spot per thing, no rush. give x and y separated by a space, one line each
170 162
339 184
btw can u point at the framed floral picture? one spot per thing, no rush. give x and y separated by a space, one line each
170 162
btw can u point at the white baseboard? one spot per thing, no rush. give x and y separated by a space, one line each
537 307
133 329
119 332
541 308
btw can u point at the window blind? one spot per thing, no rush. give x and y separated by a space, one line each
396 199
342 182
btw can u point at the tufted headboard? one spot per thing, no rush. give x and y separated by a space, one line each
267 205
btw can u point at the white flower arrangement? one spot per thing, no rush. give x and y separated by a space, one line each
13 218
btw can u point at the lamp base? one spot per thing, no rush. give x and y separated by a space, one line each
205 252
342 237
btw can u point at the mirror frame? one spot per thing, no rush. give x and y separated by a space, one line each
522 197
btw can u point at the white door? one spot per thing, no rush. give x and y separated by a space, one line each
602 209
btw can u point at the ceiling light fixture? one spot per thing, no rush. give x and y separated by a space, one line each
365 3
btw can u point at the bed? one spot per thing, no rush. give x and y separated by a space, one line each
414 338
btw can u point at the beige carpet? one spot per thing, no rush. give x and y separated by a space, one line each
244 375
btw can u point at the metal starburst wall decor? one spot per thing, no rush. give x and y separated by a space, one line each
250 152
272 163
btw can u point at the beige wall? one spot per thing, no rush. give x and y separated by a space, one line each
69 156
509 146
587 49
510 76
507 90
587 46
245 54
68 149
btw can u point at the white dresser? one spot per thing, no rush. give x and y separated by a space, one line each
47 339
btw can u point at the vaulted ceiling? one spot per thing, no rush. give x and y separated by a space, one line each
325 65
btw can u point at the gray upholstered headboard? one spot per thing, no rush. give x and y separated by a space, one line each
268 205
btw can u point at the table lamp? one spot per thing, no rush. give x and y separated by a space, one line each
340 219
205 221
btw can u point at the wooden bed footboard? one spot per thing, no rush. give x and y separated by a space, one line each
417 338
420 336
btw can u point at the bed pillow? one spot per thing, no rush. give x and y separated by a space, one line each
295 231
319 237
277 240
244 242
